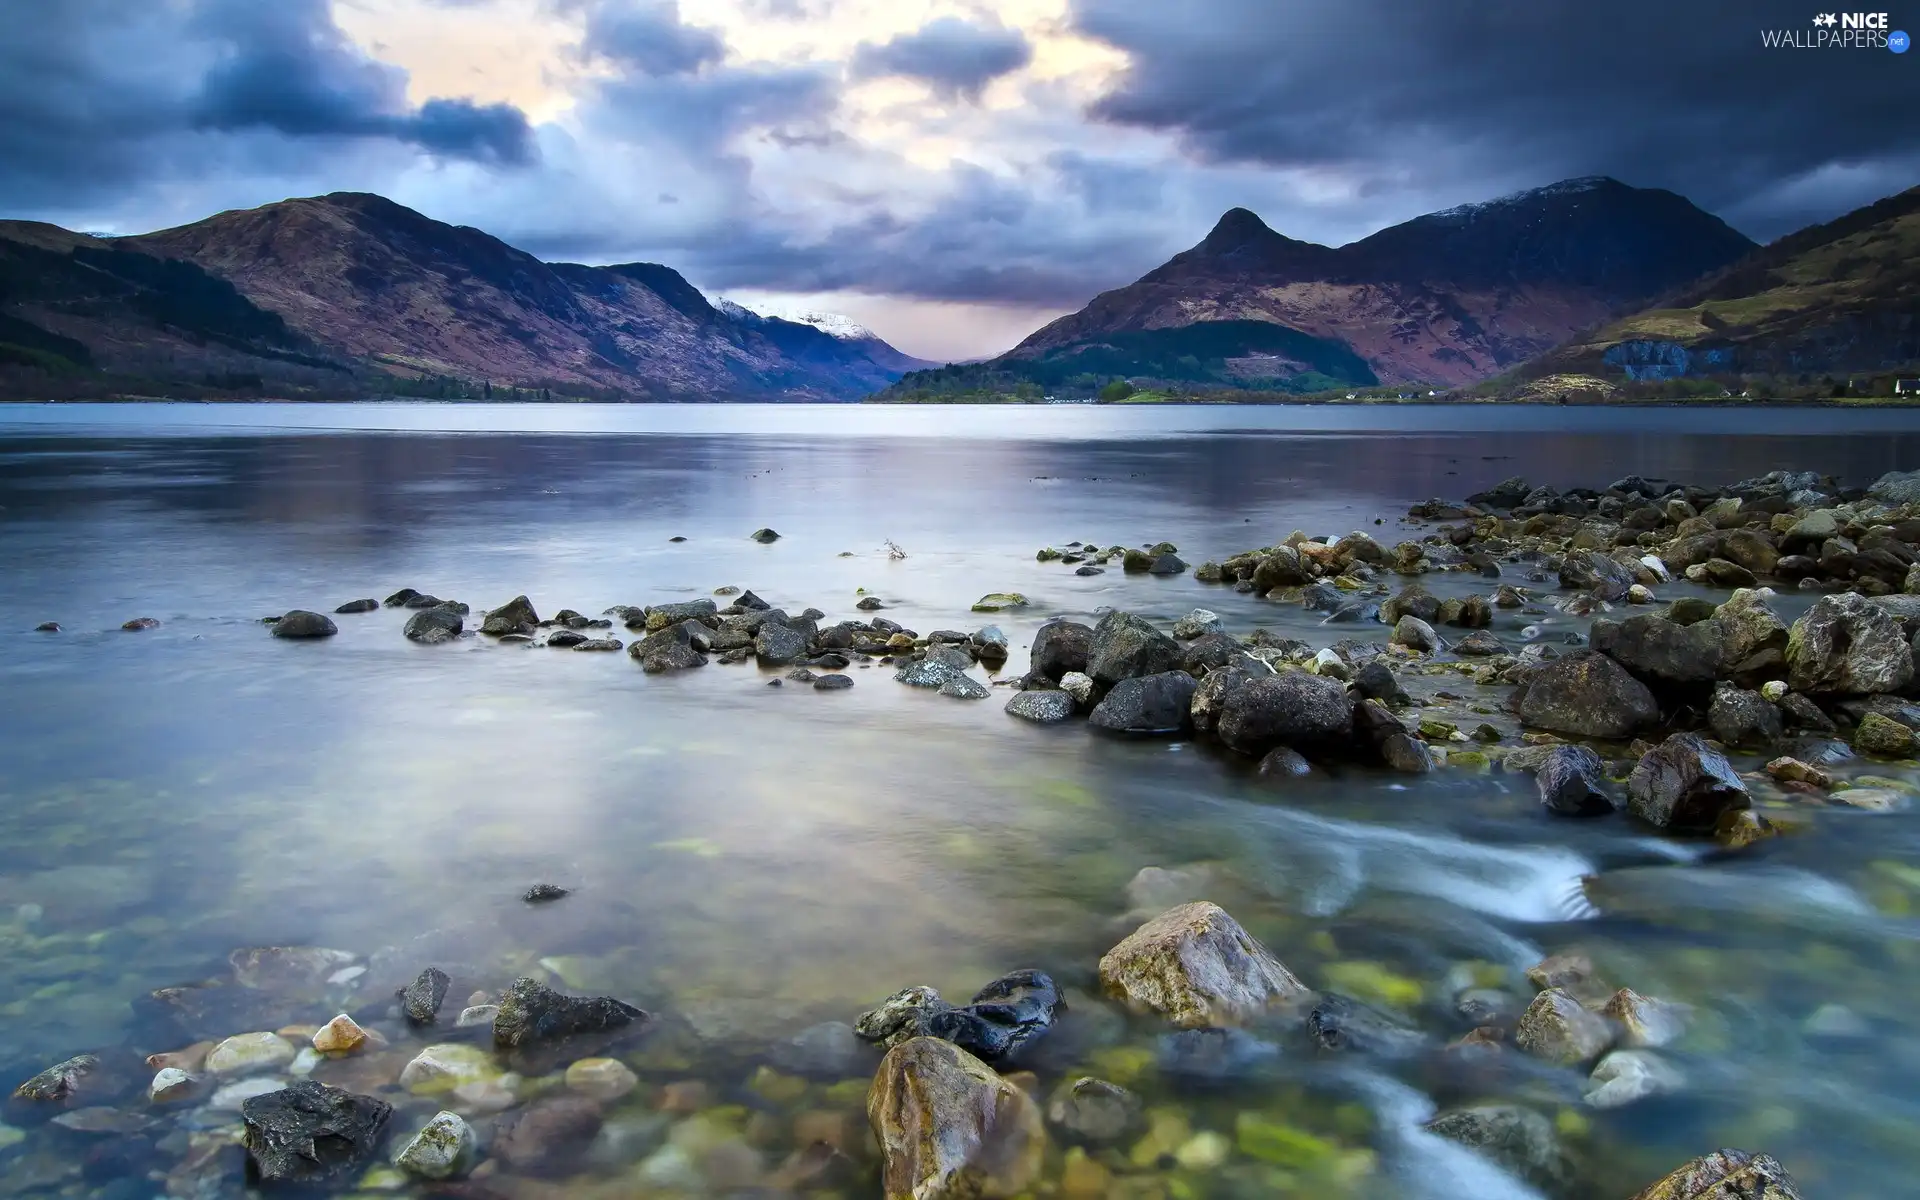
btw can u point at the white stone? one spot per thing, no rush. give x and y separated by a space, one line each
305 1062
169 1085
1639 594
441 1150
346 975
1079 686
232 1096
446 1066
1330 664
489 1095
245 1053
478 1014
1629 1075
1653 562
605 1079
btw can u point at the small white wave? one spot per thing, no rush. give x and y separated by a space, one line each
1426 1166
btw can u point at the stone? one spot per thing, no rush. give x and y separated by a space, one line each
1883 737
1196 624
1646 1022
1340 1024
300 623
311 1134
962 686
1293 708
60 1082
1726 1175
1147 704
1896 487
421 999
249 1053
604 1079
900 1016
1479 644
1846 645
1684 785
1570 782
1519 1139
1410 601
433 626
1788 769
1415 634
1167 564
832 683
949 1128
515 616
929 673
1093 1111
1376 681
1592 571
1061 647
1282 568
1124 646
1375 726
170 1085
1283 764
543 893
765 537
443 1067
1045 708
1661 651
1743 718
1587 695
532 1012
140 625
233 1096
1557 1028
443 1149
476 1015
828 1050
779 645
339 1036
358 606
1195 966
1751 632
549 1136
999 602
1210 653
1002 1018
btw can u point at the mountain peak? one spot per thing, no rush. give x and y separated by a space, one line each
1237 227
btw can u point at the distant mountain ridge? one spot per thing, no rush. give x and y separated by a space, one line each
1837 298
367 287
1449 298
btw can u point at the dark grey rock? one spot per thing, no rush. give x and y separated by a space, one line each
1684 784
1588 695
421 999
358 606
1410 601
928 673
1283 765
1571 782
565 639
1376 681
1125 646
1343 1025
1060 647
1216 1058
1847 645
1167 564
1209 653
1290 709
764 536
300 623
47 627
779 645
702 610
542 893
1377 729
311 1134
1479 644
531 1012
1159 703
400 598
1518 1139
962 686
1743 718
832 683
1094 1112
515 616
1592 571
433 626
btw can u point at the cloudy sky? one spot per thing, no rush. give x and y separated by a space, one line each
951 172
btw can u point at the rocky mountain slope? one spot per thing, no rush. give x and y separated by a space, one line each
1837 298
394 297
1445 299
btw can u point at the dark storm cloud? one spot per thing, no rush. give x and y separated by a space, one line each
648 36
954 57
95 94
1434 95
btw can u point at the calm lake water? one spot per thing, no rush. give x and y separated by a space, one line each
752 859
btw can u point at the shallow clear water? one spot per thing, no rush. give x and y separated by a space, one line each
746 856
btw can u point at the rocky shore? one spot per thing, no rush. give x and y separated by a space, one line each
1724 718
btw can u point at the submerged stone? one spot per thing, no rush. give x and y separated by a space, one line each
532 1012
950 1128
1726 1175
443 1149
310 1133
421 999
1196 966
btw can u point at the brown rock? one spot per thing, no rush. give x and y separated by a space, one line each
1726 1175
1198 968
549 1135
1557 1028
951 1129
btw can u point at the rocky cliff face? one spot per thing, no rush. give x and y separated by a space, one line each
1448 298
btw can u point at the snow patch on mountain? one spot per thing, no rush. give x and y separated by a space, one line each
833 324
1566 187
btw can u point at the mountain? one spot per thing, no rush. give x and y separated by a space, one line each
848 334
1445 299
79 311
390 300
1840 298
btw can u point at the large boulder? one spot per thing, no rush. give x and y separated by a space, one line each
1570 782
1042 707
779 645
1896 487
1592 571
1754 637
303 624
1282 568
1150 704
532 1012
1377 729
1726 1175
1744 718
311 1134
1061 647
515 616
950 1128
1587 695
1662 652
1846 645
1195 966
432 626
1124 646
1519 1139
1684 784
1292 708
